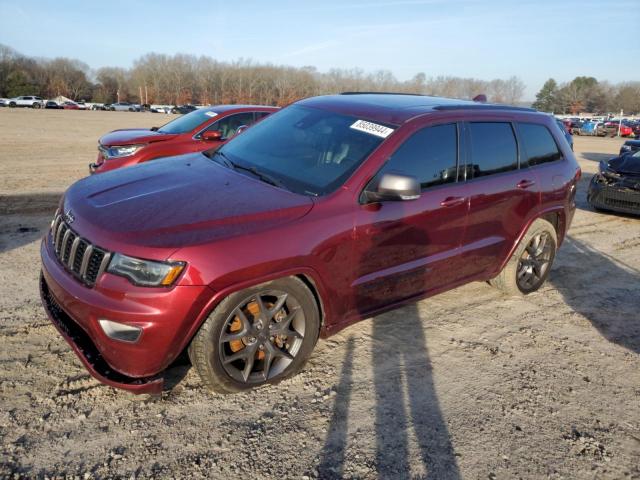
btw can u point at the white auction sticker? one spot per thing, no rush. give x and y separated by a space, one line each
372 128
210 114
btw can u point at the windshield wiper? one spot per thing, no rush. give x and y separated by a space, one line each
261 175
226 161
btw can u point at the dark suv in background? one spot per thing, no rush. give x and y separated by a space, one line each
329 211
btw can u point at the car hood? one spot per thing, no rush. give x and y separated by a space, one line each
132 136
626 164
176 202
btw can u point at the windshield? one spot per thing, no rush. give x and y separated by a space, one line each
187 122
307 150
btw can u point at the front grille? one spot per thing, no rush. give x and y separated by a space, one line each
77 255
619 199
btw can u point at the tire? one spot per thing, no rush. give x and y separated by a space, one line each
35 105
12 105
226 351
512 279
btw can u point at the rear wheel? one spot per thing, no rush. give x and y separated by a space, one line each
529 266
260 335
12 104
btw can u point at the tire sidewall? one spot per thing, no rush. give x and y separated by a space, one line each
539 226
209 334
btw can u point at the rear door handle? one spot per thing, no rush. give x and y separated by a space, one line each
452 201
525 183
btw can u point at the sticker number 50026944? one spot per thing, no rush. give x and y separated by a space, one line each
372 128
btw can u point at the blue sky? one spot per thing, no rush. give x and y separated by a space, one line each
477 38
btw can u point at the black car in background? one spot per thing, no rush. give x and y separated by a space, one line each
182 109
630 146
53 105
616 186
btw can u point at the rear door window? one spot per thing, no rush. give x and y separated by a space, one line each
430 155
493 148
538 145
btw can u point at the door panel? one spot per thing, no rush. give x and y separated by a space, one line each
406 248
502 196
497 210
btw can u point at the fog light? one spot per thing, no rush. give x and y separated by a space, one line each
120 331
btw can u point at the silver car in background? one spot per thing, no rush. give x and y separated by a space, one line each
124 107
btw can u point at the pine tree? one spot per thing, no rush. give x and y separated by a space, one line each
546 98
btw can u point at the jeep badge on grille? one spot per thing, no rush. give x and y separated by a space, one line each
68 217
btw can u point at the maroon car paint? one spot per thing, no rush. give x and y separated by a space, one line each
234 231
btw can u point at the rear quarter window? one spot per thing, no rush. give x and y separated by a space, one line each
538 144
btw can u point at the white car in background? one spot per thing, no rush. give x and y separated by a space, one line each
26 101
124 107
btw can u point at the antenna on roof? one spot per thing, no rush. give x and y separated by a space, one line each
482 98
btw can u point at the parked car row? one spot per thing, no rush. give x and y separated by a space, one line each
248 249
602 127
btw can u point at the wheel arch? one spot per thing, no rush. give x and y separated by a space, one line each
554 215
306 275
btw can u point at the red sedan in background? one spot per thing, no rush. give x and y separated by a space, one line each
613 126
197 131
70 106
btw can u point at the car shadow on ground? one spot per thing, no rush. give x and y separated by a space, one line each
598 157
29 203
406 405
25 218
614 311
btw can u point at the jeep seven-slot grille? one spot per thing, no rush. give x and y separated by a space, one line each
76 254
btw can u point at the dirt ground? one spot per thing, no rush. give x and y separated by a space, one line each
468 384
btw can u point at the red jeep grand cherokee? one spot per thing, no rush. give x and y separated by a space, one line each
332 210
199 130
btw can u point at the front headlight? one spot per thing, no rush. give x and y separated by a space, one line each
146 273
625 147
124 151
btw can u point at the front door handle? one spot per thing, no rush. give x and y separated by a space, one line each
452 201
525 183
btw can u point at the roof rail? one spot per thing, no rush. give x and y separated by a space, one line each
382 93
483 106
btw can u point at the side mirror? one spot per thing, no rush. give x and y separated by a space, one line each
212 136
392 187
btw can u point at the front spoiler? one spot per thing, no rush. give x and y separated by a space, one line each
87 352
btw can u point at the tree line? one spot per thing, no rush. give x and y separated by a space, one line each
178 79
587 94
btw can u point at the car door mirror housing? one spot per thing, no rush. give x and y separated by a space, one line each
212 136
391 187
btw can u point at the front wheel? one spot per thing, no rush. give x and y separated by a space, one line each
529 266
257 336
